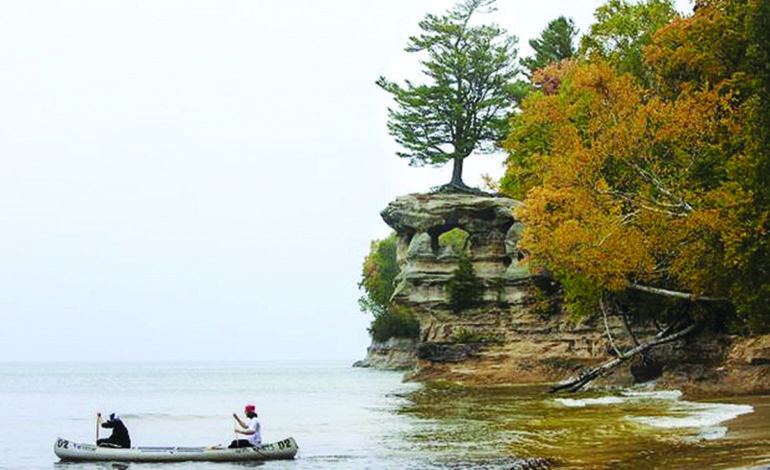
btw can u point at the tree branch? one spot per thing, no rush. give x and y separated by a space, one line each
603 308
630 333
576 383
677 294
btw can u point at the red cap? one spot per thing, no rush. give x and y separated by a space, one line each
250 408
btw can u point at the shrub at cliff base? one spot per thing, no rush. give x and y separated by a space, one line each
394 324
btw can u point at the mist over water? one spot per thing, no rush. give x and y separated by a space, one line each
345 418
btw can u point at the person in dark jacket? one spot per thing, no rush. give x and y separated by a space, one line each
119 437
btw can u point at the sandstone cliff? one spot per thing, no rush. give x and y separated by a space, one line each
509 338
393 354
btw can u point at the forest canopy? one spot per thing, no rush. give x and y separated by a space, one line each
656 175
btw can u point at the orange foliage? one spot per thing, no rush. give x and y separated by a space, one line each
628 184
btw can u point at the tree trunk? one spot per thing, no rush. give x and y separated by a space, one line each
676 294
456 184
457 173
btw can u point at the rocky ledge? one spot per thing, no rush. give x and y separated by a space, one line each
508 338
394 354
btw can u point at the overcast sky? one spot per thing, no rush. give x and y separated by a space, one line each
201 179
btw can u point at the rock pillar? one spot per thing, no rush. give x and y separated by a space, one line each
427 265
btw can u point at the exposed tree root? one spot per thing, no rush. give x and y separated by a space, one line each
458 188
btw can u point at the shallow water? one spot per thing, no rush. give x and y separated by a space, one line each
345 418
626 430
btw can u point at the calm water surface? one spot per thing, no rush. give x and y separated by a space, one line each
345 418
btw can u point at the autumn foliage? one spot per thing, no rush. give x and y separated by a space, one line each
378 282
660 182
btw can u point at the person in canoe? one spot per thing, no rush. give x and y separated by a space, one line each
250 428
119 437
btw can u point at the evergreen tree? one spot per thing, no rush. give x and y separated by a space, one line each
465 104
465 288
555 44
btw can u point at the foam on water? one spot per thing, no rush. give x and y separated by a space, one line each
712 434
695 415
583 402
670 412
627 396
657 395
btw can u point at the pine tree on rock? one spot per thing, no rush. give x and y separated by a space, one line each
464 105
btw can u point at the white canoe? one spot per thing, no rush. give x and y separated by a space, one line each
68 450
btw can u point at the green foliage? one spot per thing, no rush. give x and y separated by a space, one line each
547 296
724 48
464 106
456 238
465 336
465 288
378 281
555 44
621 31
378 275
581 294
394 324
643 306
753 257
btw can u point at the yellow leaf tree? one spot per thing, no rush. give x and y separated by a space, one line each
662 188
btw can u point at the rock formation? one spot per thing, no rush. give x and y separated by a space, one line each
427 265
502 340
393 354
509 337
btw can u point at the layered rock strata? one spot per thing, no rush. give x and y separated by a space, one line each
393 354
509 337
502 340
427 265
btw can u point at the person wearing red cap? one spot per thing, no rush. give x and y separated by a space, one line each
250 428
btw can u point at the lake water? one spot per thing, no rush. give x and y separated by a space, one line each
346 418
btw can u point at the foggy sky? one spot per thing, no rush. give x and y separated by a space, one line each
200 180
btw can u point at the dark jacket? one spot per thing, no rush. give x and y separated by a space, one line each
119 433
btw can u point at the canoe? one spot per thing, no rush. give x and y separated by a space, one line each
74 451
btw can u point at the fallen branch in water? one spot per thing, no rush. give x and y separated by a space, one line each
581 380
